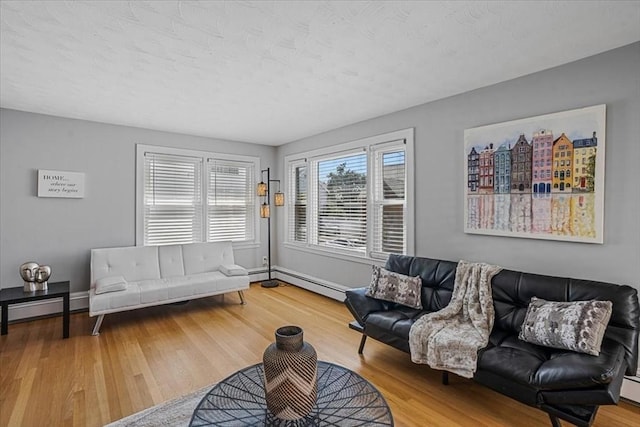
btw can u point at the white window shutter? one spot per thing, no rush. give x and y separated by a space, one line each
172 199
389 230
298 202
230 201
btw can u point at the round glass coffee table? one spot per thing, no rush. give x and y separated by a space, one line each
344 399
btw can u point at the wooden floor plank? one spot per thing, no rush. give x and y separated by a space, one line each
148 356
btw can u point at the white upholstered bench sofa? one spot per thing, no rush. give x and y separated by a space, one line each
133 277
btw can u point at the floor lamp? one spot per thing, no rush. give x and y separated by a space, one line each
264 191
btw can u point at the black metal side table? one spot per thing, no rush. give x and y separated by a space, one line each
17 295
344 399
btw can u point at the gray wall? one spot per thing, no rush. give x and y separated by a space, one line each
61 232
611 78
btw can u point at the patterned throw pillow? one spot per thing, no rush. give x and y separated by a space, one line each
577 326
395 287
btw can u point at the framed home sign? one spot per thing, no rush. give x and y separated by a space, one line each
60 184
541 177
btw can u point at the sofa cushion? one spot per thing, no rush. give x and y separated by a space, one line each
133 263
170 260
393 326
577 326
110 284
181 287
206 257
566 369
437 278
395 287
547 368
511 358
114 301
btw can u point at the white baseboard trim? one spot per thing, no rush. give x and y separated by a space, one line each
25 310
258 274
631 388
302 280
313 284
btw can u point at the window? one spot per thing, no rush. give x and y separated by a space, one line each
186 196
298 195
172 199
353 200
341 189
230 201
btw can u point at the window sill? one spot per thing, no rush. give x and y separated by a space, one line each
246 245
335 253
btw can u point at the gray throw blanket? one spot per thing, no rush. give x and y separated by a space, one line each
449 339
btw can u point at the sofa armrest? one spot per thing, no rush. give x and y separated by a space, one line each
233 270
361 305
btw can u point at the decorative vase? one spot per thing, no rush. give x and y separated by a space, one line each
290 375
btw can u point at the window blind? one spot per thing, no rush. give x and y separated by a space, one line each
172 199
342 202
230 200
297 221
389 202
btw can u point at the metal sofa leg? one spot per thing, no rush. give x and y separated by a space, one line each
242 301
445 377
555 422
362 341
577 415
96 328
356 326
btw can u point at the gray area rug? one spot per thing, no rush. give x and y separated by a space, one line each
174 413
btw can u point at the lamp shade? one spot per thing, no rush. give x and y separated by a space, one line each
278 198
262 189
264 210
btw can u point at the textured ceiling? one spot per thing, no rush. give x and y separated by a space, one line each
271 72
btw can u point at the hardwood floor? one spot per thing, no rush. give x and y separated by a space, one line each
145 357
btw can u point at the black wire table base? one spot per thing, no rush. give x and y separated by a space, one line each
344 399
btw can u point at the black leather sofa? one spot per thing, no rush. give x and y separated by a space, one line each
565 384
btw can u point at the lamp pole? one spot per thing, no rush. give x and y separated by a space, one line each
270 283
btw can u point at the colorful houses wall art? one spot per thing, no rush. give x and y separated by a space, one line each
540 177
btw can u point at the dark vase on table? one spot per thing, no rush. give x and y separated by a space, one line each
290 371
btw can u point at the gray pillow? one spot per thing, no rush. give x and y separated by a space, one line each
110 284
577 326
395 287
